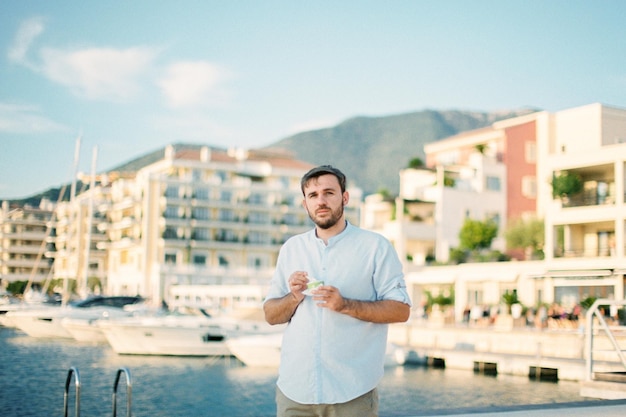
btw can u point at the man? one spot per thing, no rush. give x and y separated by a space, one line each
332 357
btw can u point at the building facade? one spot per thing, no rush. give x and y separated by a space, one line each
23 236
505 172
204 226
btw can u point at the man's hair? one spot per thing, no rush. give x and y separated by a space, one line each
323 170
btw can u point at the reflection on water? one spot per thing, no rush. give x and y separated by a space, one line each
34 371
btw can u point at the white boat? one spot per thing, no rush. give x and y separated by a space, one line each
32 300
47 322
193 333
263 350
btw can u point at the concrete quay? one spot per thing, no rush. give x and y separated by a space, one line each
548 354
616 408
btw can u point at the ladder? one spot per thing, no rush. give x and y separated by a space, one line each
73 371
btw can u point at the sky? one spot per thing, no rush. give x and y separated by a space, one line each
130 77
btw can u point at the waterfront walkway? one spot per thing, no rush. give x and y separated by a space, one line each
613 408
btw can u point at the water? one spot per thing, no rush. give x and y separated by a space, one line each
34 372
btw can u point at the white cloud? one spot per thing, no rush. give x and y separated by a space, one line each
191 83
99 73
22 119
26 34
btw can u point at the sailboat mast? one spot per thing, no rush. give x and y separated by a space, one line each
92 190
66 290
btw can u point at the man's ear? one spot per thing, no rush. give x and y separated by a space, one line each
346 198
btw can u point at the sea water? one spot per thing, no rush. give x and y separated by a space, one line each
33 376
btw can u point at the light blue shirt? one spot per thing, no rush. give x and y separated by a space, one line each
329 357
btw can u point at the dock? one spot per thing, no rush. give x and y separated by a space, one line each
547 354
616 408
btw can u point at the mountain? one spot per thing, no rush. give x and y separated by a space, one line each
372 150
369 150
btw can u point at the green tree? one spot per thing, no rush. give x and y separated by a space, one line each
416 163
476 235
566 184
526 234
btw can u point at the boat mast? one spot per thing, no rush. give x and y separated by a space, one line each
66 289
92 190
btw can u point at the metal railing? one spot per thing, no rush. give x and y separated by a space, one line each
74 371
129 389
592 314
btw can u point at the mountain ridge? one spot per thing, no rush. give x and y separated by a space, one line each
370 150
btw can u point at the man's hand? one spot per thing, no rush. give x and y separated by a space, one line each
382 311
280 310
297 284
329 297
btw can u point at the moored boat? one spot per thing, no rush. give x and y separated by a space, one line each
47 322
191 332
263 350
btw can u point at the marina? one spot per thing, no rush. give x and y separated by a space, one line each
36 370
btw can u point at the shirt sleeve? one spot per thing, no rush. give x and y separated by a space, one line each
278 284
389 277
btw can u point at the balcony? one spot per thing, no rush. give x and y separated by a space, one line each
594 194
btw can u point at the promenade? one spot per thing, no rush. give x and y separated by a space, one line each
543 354
614 408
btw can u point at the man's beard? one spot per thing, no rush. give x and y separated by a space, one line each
328 222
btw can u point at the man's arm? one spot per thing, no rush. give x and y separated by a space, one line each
280 310
382 311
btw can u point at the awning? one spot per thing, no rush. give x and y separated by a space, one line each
579 273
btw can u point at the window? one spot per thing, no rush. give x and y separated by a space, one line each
171 192
199 259
257 217
531 152
226 196
170 233
170 258
256 198
171 212
258 237
493 183
201 234
227 215
202 193
529 187
201 213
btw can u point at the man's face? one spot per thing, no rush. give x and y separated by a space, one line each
324 201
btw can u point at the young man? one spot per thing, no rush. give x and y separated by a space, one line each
332 357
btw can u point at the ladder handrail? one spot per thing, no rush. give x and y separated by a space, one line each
594 310
129 388
72 371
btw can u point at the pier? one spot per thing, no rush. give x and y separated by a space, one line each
542 354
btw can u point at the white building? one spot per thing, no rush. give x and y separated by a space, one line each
505 172
204 226
76 242
23 233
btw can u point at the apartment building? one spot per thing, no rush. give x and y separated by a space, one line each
204 226
505 172
23 233
76 237
585 243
